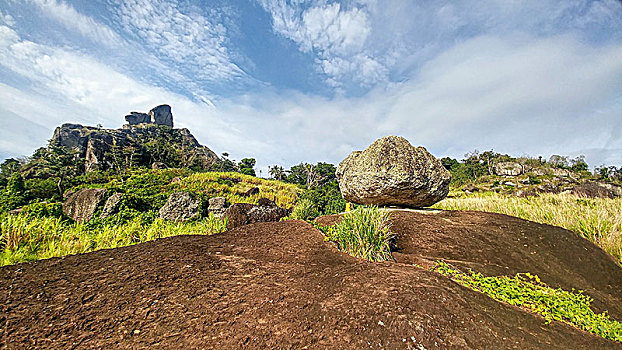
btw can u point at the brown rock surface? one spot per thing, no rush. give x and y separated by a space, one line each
82 204
279 285
393 172
240 214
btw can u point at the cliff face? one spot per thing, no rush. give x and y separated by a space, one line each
146 143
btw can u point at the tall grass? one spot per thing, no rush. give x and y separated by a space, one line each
363 233
26 238
597 219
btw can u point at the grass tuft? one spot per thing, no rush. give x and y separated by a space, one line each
363 233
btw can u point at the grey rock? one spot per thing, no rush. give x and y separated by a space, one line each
180 206
393 172
239 214
81 205
112 205
135 118
158 165
217 205
509 169
161 115
597 190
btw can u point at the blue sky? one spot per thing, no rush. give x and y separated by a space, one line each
312 80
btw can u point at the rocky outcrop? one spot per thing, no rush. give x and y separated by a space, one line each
112 205
81 205
240 214
393 172
597 190
180 206
133 145
509 169
135 118
217 205
160 115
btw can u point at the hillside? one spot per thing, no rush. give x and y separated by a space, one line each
271 285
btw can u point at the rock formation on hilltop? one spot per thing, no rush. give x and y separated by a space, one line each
393 172
147 139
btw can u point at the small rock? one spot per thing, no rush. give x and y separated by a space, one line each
509 169
180 206
217 205
240 214
112 205
253 191
81 205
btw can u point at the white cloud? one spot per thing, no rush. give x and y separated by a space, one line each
72 87
186 38
335 34
71 19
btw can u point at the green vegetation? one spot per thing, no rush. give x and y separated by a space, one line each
362 233
528 292
27 237
597 219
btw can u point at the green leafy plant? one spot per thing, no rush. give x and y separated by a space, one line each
527 291
363 233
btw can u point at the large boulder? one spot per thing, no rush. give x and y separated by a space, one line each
161 115
135 118
180 206
240 214
393 172
81 205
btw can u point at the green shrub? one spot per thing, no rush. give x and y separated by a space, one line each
40 210
304 210
363 233
528 292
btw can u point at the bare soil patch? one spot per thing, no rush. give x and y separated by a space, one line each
279 285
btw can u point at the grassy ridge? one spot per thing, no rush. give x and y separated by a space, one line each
42 231
597 219
27 238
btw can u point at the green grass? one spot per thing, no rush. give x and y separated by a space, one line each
363 233
597 219
528 292
27 238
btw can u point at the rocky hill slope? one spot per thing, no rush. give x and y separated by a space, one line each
280 285
148 140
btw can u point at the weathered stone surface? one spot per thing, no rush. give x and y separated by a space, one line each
509 169
161 115
597 190
112 205
393 172
81 205
97 147
180 206
217 205
135 118
240 214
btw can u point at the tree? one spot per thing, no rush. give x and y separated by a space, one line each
8 167
277 172
559 161
449 163
578 164
15 184
246 166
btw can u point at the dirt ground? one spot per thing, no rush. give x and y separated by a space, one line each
279 285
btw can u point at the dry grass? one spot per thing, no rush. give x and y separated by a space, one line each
597 219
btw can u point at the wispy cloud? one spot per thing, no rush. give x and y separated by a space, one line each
335 34
71 19
186 38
